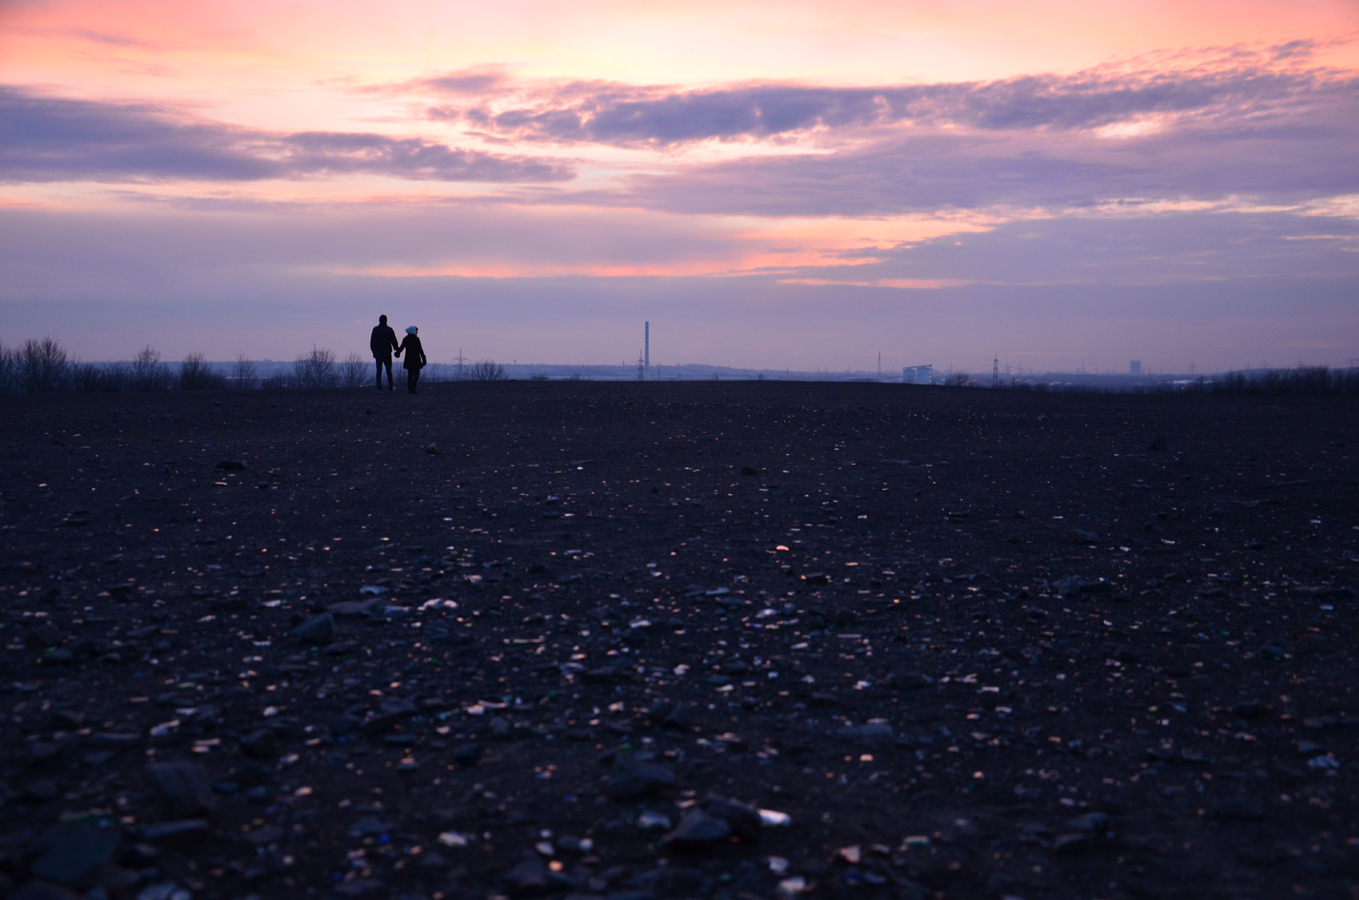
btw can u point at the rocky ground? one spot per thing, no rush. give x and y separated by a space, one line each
633 641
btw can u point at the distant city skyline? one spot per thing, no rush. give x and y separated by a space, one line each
772 185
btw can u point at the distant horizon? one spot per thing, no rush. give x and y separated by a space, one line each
626 371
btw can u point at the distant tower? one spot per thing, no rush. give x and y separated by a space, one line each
646 347
1135 367
995 371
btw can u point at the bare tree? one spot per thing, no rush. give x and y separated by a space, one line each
486 370
353 371
243 373
8 366
958 379
195 374
316 370
148 372
42 366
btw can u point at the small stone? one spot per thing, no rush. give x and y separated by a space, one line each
164 890
184 788
749 470
911 681
745 821
654 821
1073 844
43 890
1085 537
1091 823
40 790
697 832
528 879
317 630
1242 809
258 744
630 779
391 711
182 833
1158 444
341 648
369 826
232 465
432 449
74 852
680 718
467 754
867 733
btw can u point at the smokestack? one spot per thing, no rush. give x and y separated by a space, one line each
646 353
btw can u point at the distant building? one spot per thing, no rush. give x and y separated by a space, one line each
1135 367
917 374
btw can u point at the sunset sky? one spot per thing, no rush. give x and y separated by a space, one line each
771 184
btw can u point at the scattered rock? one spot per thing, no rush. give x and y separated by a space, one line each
388 713
258 744
184 833
1242 809
698 831
319 629
630 779
72 853
184 789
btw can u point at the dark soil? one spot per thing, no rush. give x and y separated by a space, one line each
972 644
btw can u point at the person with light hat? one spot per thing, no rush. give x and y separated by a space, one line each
415 358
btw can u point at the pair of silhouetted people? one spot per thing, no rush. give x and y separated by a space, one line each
383 344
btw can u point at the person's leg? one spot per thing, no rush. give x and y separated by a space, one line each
415 379
379 372
390 387
410 380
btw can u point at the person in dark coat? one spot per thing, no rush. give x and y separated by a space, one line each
415 358
382 343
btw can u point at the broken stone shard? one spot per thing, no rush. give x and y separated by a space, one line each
317 630
698 831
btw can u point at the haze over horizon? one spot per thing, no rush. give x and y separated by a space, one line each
793 185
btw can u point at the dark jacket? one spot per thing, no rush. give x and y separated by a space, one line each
415 354
383 342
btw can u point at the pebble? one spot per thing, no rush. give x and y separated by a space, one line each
184 789
183 833
319 629
74 852
1241 809
630 779
258 744
697 832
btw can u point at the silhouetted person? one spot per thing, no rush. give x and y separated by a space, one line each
415 358
382 343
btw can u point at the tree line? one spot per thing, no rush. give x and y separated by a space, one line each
41 366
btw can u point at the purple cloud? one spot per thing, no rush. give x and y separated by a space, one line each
613 114
45 139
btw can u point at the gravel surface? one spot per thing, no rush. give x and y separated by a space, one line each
735 640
